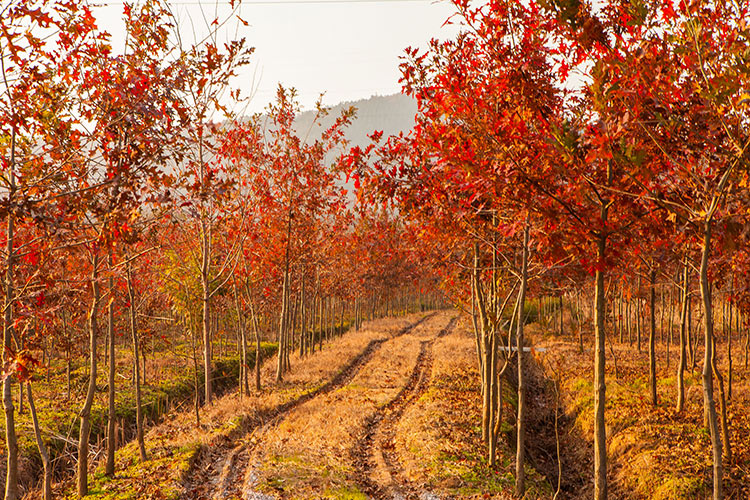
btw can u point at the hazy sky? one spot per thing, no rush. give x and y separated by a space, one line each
348 49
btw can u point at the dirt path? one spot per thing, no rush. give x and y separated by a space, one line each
220 469
377 469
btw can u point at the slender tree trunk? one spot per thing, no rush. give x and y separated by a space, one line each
475 324
485 361
652 341
729 346
85 414
621 314
629 313
638 318
520 487
20 398
11 439
727 447
294 324
321 321
671 322
600 431
341 316
256 332
196 383
682 364
190 324
708 386
43 453
243 346
303 320
282 325
747 337
332 317
110 465
493 391
206 305
579 321
242 371
134 335
662 313
68 373
691 351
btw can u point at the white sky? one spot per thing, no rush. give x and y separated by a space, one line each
348 49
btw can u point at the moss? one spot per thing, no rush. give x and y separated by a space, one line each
346 493
679 487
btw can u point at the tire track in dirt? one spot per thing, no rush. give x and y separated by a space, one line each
221 467
380 431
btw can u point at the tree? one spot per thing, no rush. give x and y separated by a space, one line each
35 127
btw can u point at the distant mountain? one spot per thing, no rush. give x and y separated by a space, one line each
391 114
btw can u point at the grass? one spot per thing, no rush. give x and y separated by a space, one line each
439 440
58 413
324 429
174 444
177 387
655 452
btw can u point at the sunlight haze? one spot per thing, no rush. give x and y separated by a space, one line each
348 50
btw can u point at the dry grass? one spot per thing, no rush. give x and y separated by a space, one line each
654 452
174 444
422 439
438 439
309 454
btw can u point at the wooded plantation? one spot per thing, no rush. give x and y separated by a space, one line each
541 290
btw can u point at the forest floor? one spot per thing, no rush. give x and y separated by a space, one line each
391 411
653 451
168 386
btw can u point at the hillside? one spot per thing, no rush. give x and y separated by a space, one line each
390 114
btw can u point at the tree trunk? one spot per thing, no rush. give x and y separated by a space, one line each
747 339
68 373
303 321
638 318
321 306
134 335
341 317
727 447
652 341
682 364
485 354
206 302
600 431
708 386
85 414
43 453
629 314
11 439
256 331
110 465
241 347
20 397
623 315
579 321
729 347
670 322
475 325
691 351
282 326
332 317
520 487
